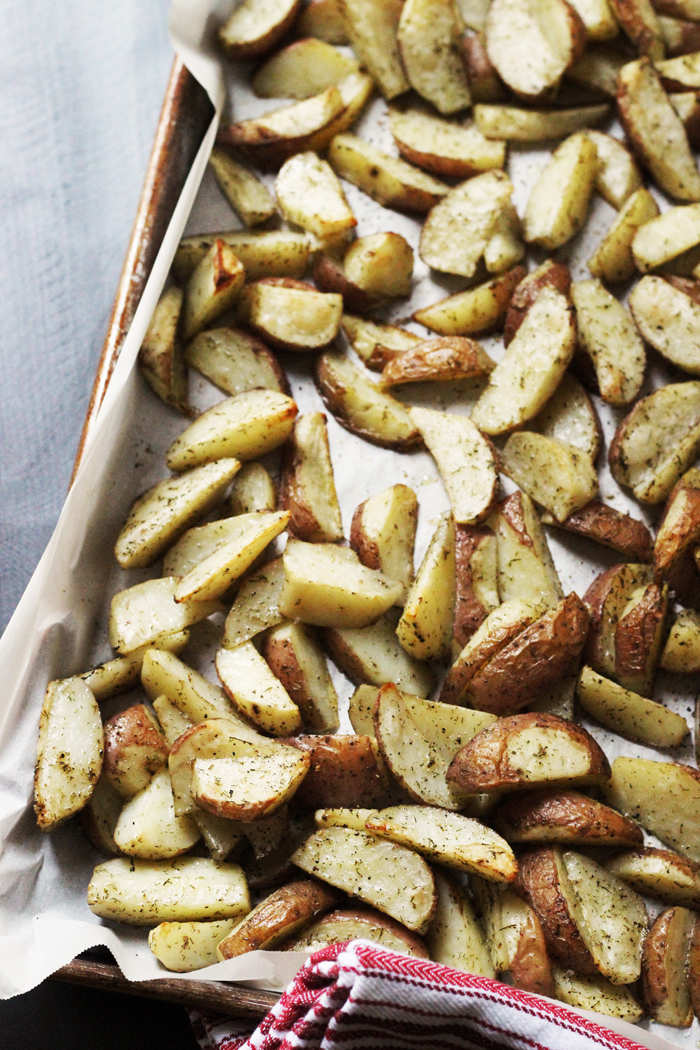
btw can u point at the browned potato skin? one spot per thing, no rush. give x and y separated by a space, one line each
655 991
375 918
469 612
444 359
611 528
687 865
283 663
345 773
689 34
643 39
482 764
694 967
485 84
538 884
550 275
595 598
287 906
303 523
329 276
671 546
576 819
132 741
637 632
366 549
533 660
531 969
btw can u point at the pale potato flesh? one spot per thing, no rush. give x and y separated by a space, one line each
393 879
264 253
272 138
253 490
514 936
255 27
256 606
255 691
148 826
607 334
69 752
248 787
347 925
628 714
662 797
141 613
455 937
171 720
526 570
425 627
558 204
246 194
429 36
295 657
597 69
380 264
245 427
311 196
371 27
448 838
464 458
197 698
669 320
186 946
659 873
570 417
665 976
535 125
438 146
291 318
618 175
160 356
666 236
366 337
558 476
597 994
681 653
515 29
302 69
535 362
383 533
214 738
307 488
475 311
343 818
385 179
162 514
235 361
374 655
212 288
119 675
219 834
199 543
144 893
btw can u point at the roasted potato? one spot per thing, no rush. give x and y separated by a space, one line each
252 31
186 946
443 148
476 574
525 566
475 311
600 317
596 994
303 68
134 750
345 924
455 937
255 691
514 936
212 288
264 253
248 787
669 320
613 259
599 522
535 125
559 476
428 37
246 194
256 606
140 614
425 627
345 772
290 314
567 818
374 655
385 179
658 873
383 533
558 204
160 356
372 31
295 657
664 976
310 195
148 826
531 50
307 485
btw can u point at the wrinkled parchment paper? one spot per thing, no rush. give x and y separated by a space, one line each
59 628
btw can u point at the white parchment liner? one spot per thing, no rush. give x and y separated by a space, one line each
59 627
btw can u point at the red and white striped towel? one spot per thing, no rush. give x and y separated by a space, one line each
360 997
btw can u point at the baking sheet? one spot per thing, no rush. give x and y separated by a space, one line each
59 627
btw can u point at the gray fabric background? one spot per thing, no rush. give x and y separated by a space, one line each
81 85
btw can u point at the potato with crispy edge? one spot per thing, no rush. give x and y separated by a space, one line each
514 936
253 29
599 522
390 877
264 253
613 259
639 21
438 360
657 441
248 787
307 484
669 320
658 873
194 696
564 817
217 737
476 575
345 772
664 978
387 180
608 339
212 288
290 314
550 274
374 342
383 534
559 476
455 937
526 750
295 657
535 125
374 655
428 37
558 204
310 195
345 924
525 566
134 750
628 714
160 356
235 361
532 48
476 311
441 147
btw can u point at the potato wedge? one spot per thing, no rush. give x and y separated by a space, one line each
465 460
525 566
687 106
485 85
564 817
656 132
303 68
417 763
278 918
443 725
535 361
425 627
607 599
475 311
253 490
659 873
192 694
526 750
246 426
246 194
666 236
290 314
271 139
307 486
342 818
628 714
447 838
387 180
328 586
552 37
170 719
662 797
550 274
438 146
609 527
161 515
678 533
570 417
597 69
142 892
348 923
657 441
374 343
252 30
140 614
361 407
476 573
346 771
98 818
248 787
256 606
438 360
383 534
596 994
212 288
681 653
558 476
664 978
255 691
373 655
215 738
598 19
235 361
134 750
669 320
455 937
428 37
514 936
680 34
639 21
535 125
311 196
123 672
148 826
459 228
186 946
681 73
69 752
372 28
389 877
160 356
264 253
558 204
603 323
295 657
380 265
323 20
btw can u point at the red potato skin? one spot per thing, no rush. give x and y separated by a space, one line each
374 918
580 820
689 40
469 613
485 84
132 739
279 282
538 884
245 52
671 546
595 598
511 510
643 39
531 969
550 275
685 866
611 528
345 773
655 990
461 674
303 523
636 633
329 276
287 906
483 763
446 358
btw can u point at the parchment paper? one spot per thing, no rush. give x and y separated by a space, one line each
59 627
